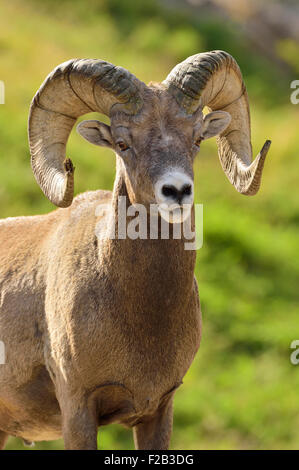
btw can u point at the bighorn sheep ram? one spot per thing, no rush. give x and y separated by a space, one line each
96 329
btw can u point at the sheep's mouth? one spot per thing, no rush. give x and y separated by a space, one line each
174 213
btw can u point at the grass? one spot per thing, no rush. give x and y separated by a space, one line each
241 391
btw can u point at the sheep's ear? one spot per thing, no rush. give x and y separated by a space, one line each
214 123
96 133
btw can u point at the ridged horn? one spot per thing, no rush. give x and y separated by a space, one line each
72 89
214 79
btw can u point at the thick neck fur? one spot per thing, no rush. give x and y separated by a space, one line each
158 273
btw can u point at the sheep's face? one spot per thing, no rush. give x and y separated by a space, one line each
156 150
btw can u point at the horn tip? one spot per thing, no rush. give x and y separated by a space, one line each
68 166
266 146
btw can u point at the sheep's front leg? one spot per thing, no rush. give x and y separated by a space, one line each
3 439
155 433
79 431
79 424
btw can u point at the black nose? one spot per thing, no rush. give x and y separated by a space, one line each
175 193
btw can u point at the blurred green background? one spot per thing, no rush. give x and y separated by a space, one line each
242 391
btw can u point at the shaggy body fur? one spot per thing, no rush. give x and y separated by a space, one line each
83 334
96 329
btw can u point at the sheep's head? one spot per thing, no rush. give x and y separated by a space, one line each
155 130
156 149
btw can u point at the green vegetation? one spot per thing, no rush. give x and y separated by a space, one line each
242 391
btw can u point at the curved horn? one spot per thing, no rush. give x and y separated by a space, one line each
72 89
214 79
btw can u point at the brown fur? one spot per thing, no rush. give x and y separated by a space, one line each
99 331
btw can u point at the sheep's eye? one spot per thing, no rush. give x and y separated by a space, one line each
122 146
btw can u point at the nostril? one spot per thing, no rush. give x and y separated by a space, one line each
186 190
169 191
